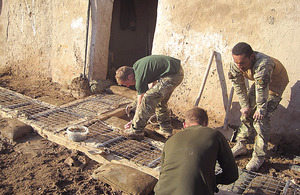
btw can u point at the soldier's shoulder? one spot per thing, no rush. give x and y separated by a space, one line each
263 61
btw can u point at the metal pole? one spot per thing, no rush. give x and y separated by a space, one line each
204 79
87 37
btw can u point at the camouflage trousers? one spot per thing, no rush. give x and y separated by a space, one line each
155 100
260 128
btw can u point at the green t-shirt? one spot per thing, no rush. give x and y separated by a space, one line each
151 68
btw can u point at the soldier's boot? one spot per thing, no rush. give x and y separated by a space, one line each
134 134
239 149
255 163
165 130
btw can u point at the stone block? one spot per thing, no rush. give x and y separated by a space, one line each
14 129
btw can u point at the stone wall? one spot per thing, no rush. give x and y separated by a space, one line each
191 30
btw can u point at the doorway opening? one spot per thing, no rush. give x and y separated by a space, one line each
132 32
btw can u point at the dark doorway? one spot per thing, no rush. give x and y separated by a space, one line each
132 32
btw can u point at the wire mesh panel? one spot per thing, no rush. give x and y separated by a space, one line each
33 108
151 157
21 105
10 99
55 117
98 104
102 133
139 152
254 183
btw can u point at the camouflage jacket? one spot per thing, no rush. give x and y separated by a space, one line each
269 76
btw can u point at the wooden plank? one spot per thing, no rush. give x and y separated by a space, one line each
123 91
117 113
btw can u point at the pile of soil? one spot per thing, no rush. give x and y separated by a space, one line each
35 165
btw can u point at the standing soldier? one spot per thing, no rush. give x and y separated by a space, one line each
257 106
155 77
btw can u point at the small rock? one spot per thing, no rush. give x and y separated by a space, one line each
72 162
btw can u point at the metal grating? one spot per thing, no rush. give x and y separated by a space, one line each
21 105
97 105
255 183
55 117
33 108
10 99
139 152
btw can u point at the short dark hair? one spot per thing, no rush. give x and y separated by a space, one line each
196 115
242 48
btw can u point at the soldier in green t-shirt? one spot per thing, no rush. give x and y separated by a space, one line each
155 77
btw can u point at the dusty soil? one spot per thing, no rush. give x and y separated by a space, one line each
34 165
37 166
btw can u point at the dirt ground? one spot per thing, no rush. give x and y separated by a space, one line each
34 165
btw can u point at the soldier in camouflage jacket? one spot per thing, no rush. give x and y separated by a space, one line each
259 102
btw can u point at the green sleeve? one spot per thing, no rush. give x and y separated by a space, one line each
227 162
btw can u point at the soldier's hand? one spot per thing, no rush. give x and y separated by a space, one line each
257 116
128 125
246 111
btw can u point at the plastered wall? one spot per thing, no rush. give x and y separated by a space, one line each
191 30
68 39
23 35
98 39
56 39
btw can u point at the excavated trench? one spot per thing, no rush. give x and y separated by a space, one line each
104 142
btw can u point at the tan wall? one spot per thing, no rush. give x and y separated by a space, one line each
68 39
23 35
3 20
101 15
49 37
191 30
